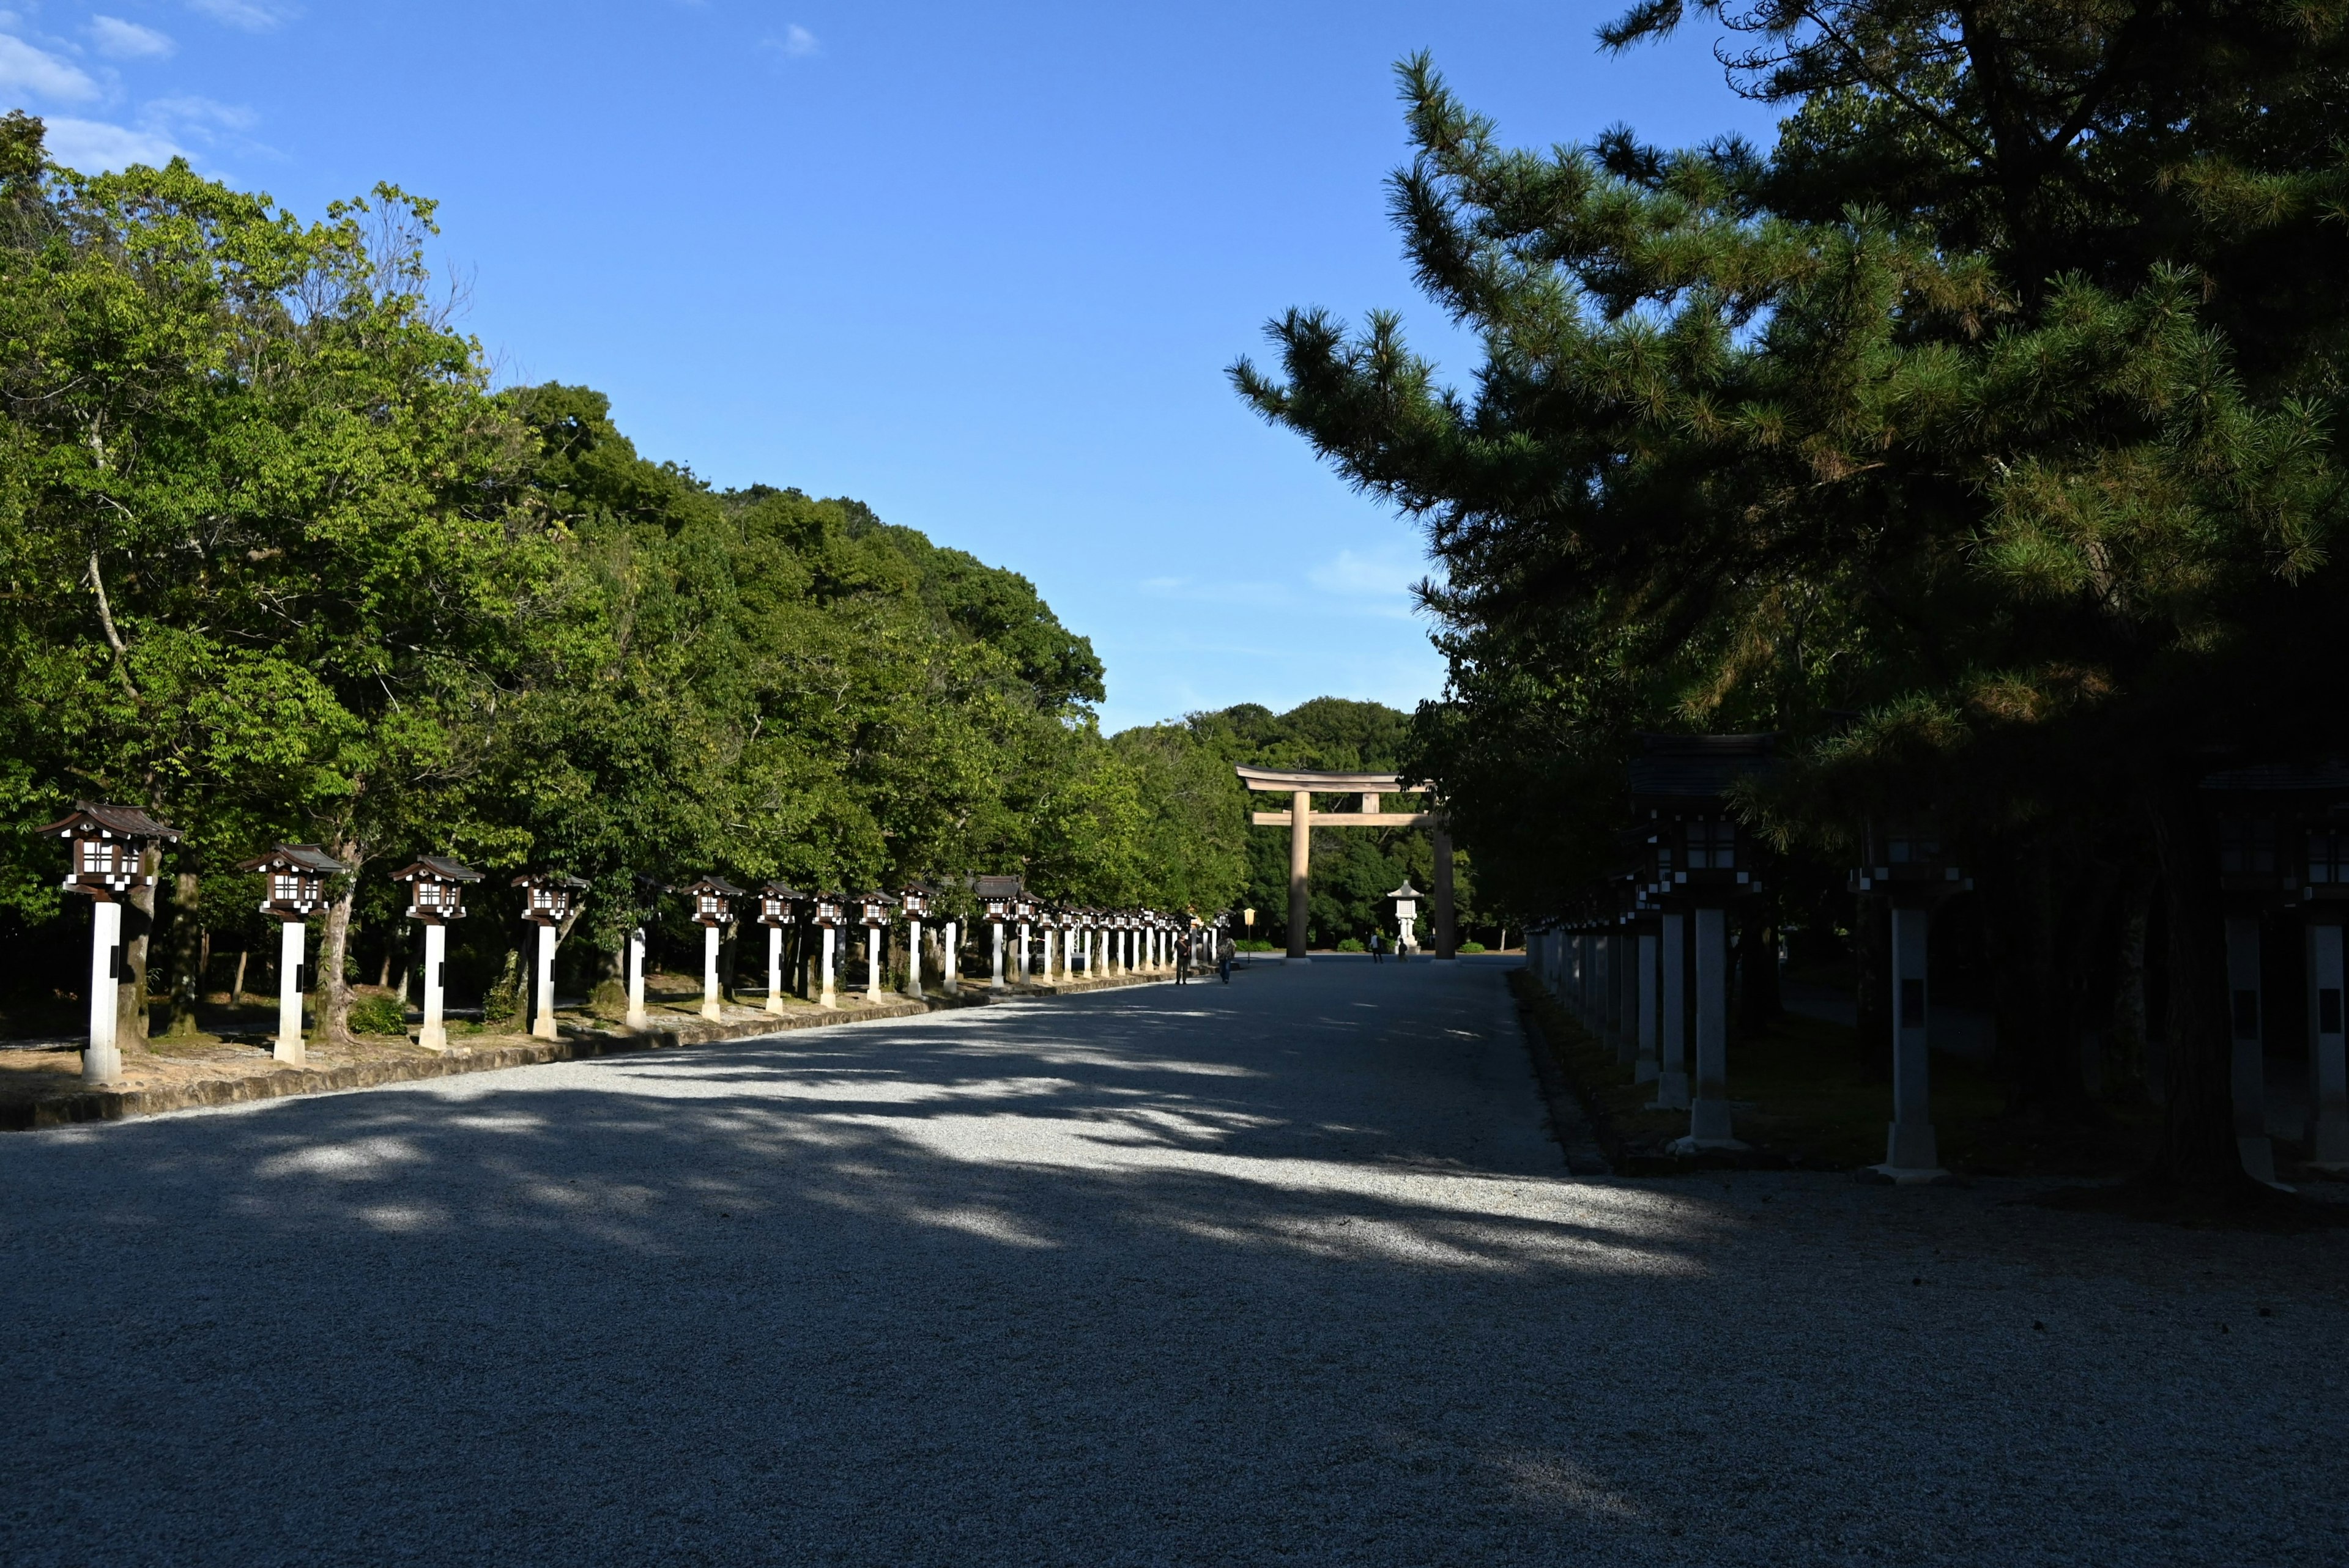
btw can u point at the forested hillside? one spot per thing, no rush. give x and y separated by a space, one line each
278 561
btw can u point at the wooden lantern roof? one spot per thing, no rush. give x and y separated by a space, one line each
2283 831
914 901
297 876
435 890
108 841
874 909
779 903
713 898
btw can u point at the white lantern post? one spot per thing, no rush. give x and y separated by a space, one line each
779 906
713 909
913 903
107 846
873 914
295 878
831 914
998 899
436 895
548 899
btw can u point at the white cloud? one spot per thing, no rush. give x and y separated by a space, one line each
128 40
253 16
26 70
796 43
94 146
1370 577
199 118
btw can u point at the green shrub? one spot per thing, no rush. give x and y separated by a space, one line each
502 1004
1352 945
608 1000
1251 945
1471 948
378 1013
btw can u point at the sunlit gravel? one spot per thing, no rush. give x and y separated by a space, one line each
1286 1272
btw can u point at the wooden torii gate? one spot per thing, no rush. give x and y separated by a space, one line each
1302 819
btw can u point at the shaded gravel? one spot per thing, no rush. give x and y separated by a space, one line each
1286 1272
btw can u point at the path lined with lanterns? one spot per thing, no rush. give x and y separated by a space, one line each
1285 1271
1033 947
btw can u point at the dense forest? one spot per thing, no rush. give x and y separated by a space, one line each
278 561
1977 439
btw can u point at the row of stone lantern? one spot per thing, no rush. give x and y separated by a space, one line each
1646 965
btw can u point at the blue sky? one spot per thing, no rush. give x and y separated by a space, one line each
980 267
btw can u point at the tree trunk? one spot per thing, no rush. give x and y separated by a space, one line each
236 990
2198 1156
332 991
2127 1058
187 954
131 999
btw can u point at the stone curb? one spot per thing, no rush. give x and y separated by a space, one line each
577 1045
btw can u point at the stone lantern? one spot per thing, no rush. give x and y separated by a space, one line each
2283 850
779 906
295 885
713 899
1907 867
1023 911
1406 900
873 913
1698 866
108 847
436 895
548 899
914 905
997 897
828 912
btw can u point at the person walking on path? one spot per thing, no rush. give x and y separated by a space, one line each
1224 961
1378 947
1182 958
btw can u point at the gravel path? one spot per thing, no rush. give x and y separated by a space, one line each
1286 1272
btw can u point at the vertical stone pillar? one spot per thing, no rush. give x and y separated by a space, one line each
1672 1044
541 1023
914 959
1645 1025
291 982
949 981
774 969
2328 1069
1301 867
2250 1075
995 927
874 965
637 1016
434 1035
828 997
102 1060
1023 952
1709 1119
709 994
1910 1151
1447 944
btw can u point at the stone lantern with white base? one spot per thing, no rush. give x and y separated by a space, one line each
108 846
1406 913
1907 867
913 903
828 912
295 882
997 897
873 913
713 899
1023 910
436 895
779 906
548 899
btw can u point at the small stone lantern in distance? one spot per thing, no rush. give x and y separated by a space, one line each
997 898
1023 909
828 912
107 849
436 895
295 878
547 903
1406 913
779 906
712 898
913 903
873 913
